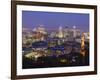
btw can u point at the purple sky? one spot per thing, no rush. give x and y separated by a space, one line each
52 20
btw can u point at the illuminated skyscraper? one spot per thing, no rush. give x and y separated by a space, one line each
60 33
74 31
83 44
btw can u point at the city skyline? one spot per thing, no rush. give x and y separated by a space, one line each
47 43
52 20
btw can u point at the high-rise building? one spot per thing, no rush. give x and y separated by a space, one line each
83 44
71 33
76 32
86 34
41 29
60 32
39 33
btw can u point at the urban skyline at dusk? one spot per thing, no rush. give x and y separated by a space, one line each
52 20
52 39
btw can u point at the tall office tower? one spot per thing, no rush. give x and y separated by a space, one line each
60 33
74 31
83 44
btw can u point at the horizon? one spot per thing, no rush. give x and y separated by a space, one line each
52 20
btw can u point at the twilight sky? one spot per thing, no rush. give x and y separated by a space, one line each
52 20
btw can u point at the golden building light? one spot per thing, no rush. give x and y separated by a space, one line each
83 44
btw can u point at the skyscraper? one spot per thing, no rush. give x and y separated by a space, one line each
60 32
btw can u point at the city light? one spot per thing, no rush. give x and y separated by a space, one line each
65 46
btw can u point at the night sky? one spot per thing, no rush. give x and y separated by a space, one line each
52 20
